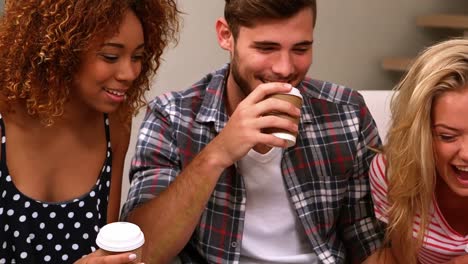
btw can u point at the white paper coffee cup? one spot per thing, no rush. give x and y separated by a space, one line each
119 237
294 96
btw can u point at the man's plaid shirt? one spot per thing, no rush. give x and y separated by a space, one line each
325 173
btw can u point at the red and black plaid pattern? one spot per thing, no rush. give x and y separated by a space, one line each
326 172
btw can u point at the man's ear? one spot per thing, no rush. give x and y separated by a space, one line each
224 35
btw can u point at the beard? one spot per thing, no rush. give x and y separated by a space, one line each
236 75
244 85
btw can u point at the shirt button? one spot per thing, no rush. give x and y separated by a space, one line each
234 244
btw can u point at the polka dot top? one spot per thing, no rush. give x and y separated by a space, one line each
40 232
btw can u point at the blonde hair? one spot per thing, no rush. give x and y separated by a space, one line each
409 152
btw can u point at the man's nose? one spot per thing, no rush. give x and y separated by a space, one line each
283 66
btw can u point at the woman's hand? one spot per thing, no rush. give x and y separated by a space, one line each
99 257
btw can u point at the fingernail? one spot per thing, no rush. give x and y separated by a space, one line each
287 85
132 257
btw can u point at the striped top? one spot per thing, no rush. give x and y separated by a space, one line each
441 243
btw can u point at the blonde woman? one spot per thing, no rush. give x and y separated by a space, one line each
420 182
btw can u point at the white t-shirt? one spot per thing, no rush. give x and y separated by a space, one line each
441 243
272 230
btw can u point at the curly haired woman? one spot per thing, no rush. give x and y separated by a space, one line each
420 182
73 74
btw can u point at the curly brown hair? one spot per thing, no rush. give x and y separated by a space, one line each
42 41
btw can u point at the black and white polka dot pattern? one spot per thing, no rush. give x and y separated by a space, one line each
38 232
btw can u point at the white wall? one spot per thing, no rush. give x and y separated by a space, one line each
351 38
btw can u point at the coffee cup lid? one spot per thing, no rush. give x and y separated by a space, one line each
288 137
120 237
294 91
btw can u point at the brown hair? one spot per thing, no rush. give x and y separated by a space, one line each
246 12
41 43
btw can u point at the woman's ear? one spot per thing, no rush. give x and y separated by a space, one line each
224 35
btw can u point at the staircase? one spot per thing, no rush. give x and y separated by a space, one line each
442 21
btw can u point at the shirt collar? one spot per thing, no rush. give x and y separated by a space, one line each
213 108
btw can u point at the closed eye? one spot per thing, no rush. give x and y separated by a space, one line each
265 48
301 50
445 133
109 57
446 137
137 57
303 47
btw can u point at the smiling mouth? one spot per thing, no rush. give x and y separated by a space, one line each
269 81
461 172
115 92
461 168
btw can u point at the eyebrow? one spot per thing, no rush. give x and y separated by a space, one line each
445 127
271 43
304 43
120 46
